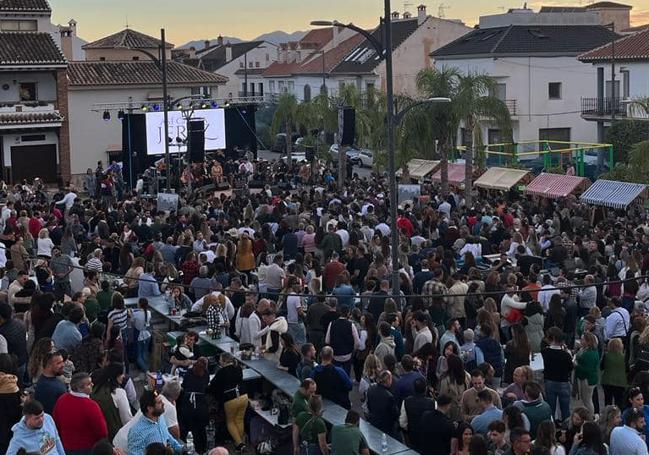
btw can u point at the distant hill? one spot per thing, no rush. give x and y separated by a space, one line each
275 37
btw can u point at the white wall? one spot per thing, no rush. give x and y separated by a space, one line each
638 78
13 140
265 56
45 85
527 81
90 135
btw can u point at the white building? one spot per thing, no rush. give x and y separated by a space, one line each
242 63
533 57
33 95
117 78
350 59
601 104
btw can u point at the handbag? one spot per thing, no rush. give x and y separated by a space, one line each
515 315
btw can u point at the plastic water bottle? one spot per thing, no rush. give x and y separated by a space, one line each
158 381
384 443
189 445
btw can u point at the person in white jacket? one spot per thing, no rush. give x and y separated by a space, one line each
275 326
509 302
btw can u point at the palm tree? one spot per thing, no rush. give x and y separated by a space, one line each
640 107
285 119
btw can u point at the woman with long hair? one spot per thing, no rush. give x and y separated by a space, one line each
111 397
586 370
44 244
132 276
290 357
517 352
610 418
488 317
367 334
589 441
460 444
371 369
142 323
546 437
41 348
450 348
454 384
613 366
556 315
190 267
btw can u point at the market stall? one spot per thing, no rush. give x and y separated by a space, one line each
554 186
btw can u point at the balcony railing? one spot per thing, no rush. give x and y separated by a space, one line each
603 107
26 106
512 106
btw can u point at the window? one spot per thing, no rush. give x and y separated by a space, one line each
195 91
28 91
261 89
554 134
291 87
243 89
252 89
465 137
616 94
102 59
249 64
493 136
499 91
307 93
271 86
256 64
554 90
626 84
241 65
136 58
281 88
18 26
267 57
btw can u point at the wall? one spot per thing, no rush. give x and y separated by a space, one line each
45 85
265 56
13 140
621 17
531 18
90 135
121 54
527 81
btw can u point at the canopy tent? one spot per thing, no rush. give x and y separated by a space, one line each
418 169
554 186
500 178
613 194
456 173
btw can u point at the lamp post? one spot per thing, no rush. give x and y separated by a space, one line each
385 48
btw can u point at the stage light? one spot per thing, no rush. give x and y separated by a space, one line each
179 106
214 105
145 108
244 112
120 115
204 106
106 116
156 107
179 140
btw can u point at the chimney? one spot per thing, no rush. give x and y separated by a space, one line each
73 27
219 40
66 42
206 44
395 16
407 15
336 36
228 52
192 52
421 14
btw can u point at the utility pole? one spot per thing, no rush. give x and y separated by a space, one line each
342 154
613 99
165 105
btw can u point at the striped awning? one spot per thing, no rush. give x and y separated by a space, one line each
610 193
554 186
418 169
456 173
500 178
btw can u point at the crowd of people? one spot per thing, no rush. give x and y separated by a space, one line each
519 326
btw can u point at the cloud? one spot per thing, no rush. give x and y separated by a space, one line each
639 17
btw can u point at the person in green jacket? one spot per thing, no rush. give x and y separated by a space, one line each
587 369
347 439
614 380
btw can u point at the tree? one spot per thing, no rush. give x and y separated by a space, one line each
637 168
624 134
285 119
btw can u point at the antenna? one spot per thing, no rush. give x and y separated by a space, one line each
127 21
441 10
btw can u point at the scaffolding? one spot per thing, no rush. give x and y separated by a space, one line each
554 153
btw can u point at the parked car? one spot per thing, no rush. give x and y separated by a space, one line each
352 154
366 158
279 146
296 156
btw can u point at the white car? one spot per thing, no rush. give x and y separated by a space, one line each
366 158
300 157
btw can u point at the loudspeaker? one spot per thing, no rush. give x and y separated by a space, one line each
134 152
196 140
349 126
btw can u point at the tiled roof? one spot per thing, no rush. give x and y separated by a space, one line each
608 5
216 57
318 36
364 58
127 38
137 73
332 57
562 9
526 40
281 69
26 49
25 5
29 118
631 47
250 72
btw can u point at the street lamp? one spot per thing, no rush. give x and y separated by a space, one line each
385 49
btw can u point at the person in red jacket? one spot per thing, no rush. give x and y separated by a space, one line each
79 419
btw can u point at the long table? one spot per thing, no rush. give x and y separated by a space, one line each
280 379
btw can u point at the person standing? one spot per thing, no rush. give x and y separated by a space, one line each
347 439
79 419
587 369
333 382
382 405
66 334
295 311
35 433
61 266
557 373
15 336
343 337
49 387
412 411
228 388
142 323
310 430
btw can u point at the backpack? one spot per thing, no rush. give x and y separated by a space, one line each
470 362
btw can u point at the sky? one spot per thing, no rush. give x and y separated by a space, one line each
188 20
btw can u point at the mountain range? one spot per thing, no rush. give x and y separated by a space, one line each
275 37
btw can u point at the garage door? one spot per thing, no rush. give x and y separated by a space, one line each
32 161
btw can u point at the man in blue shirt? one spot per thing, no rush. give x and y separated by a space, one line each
66 334
151 427
148 286
480 423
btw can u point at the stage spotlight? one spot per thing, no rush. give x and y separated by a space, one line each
204 106
106 116
145 108
156 107
120 115
214 105
244 112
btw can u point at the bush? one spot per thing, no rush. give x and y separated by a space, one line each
624 134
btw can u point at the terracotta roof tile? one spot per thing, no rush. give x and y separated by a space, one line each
319 36
25 5
631 47
127 38
137 73
332 57
608 5
30 118
281 69
26 49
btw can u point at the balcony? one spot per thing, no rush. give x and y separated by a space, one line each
603 108
29 114
512 105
